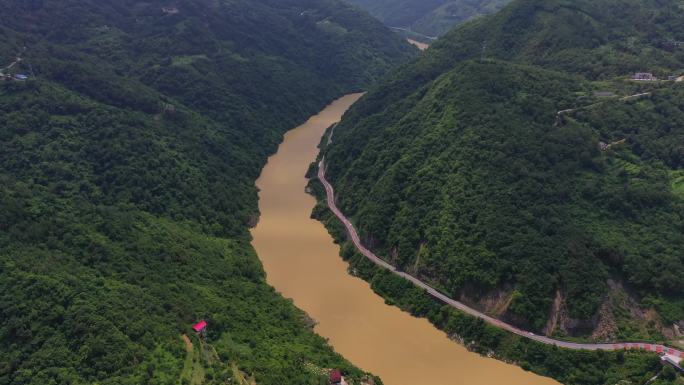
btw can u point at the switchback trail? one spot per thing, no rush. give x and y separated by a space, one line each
674 356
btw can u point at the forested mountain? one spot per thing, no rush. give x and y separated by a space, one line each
127 182
463 171
428 17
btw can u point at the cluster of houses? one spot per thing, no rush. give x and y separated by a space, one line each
336 377
649 77
170 10
5 74
13 77
672 43
644 77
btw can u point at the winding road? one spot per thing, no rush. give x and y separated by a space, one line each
673 356
9 67
411 31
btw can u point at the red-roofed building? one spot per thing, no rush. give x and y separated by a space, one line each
335 376
200 326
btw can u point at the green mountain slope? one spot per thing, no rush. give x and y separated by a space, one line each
452 13
600 40
398 13
128 163
462 172
429 18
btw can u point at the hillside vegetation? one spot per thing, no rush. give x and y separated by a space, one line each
127 181
462 172
429 17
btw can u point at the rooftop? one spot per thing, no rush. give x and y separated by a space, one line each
198 327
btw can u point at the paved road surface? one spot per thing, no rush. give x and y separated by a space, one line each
411 31
673 354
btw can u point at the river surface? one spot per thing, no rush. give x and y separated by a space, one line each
303 263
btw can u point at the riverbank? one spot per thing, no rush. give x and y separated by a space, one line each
302 262
567 366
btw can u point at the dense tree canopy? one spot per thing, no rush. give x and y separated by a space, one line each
462 171
127 181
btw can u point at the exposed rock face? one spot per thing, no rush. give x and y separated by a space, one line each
554 314
494 302
620 308
607 328
394 256
576 327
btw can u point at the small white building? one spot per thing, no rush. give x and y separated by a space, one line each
170 10
644 77
673 360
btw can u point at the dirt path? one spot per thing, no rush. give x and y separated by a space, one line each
188 344
559 114
636 96
9 67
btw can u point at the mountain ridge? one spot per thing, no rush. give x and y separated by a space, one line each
428 18
476 172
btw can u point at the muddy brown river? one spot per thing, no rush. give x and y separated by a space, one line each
303 263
